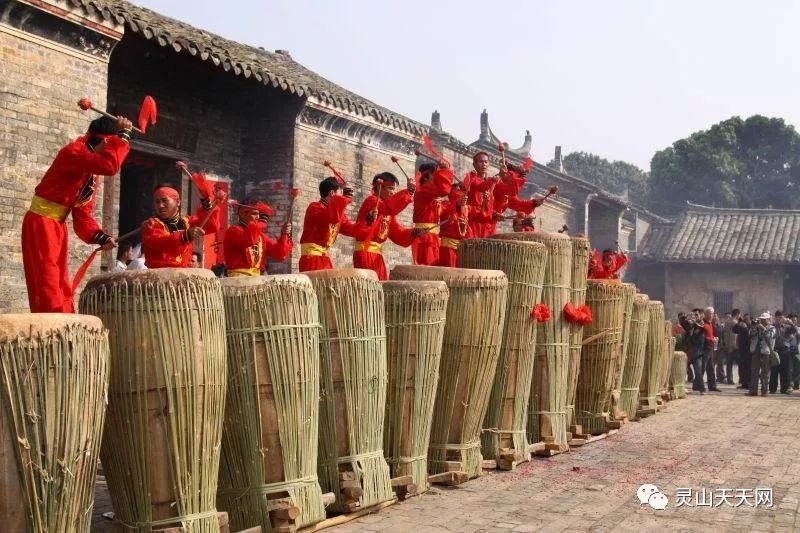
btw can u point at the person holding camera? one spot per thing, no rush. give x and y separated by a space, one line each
785 332
742 330
762 344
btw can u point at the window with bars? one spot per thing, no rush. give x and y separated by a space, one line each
723 302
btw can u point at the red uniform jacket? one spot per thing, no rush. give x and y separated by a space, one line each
246 248
476 187
427 210
369 253
166 244
71 181
321 226
598 270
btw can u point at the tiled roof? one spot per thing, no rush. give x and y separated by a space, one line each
747 236
270 68
654 240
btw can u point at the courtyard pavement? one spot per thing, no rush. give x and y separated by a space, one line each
718 449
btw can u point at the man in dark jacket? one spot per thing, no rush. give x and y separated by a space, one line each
742 331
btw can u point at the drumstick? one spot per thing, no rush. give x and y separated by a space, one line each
397 162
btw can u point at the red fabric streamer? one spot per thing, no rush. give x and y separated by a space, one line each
205 187
148 113
527 165
263 208
586 315
572 314
81 273
541 313
295 192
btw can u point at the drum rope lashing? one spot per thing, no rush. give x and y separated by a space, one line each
268 488
167 521
247 331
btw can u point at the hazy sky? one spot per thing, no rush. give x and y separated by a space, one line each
621 79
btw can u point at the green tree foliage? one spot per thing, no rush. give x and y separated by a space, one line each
612 176
737 163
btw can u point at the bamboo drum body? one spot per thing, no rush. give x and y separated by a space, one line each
161 446
581 250
651 375
415 319
547 411
629 293
506 420
269 439
352 387
677 378
634 359
600 354
471 346
53 386
666 358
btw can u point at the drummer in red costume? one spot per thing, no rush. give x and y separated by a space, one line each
607 266
433 185
480 193
246 245
506 196
459 217
379 215
167 238
69 186
323 222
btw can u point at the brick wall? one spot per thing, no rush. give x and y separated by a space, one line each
755 288
40 83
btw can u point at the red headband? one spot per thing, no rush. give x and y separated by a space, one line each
169 192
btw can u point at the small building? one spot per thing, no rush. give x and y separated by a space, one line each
727 258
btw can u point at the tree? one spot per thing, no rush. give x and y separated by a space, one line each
612 176
737 163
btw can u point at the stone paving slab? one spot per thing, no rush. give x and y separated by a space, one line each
715 441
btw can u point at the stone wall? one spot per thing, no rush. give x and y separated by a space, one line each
755 288
42 76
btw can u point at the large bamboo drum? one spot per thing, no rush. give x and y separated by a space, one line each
53 386
506 420
650 386
667 357
415 319
270 433
634 358
629 293
352 387
677 378
600 354
471 346
581 251
166 396
547 411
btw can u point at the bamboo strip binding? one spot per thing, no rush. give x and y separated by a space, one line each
506 420
353 383
415 320
53 388
650 385
161 446
600 354
269 442
678 375
547 410
634 359
581 251
627 312
471 346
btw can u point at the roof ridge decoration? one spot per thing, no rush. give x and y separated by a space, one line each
699 208
268 68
